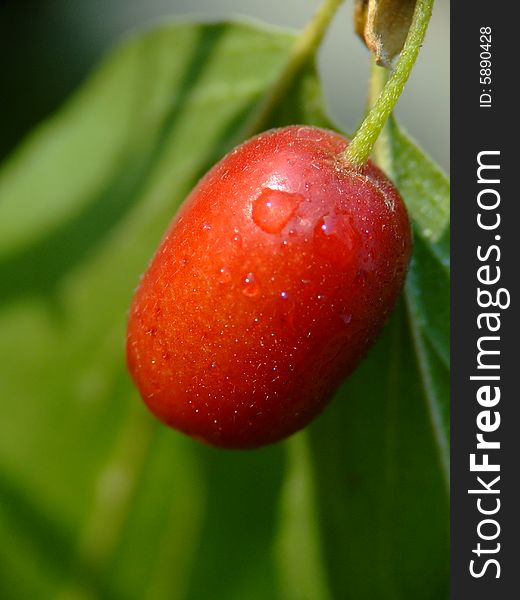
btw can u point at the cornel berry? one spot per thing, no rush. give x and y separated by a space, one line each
268 288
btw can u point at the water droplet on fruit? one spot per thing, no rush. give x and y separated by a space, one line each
223 276
273 209
327 226
284 295
237 238
250 286
206 227
336 239
346 318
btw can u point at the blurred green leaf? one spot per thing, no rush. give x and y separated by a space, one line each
302 571
426 191
96 499
99 501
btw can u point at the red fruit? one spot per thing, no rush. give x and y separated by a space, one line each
267 290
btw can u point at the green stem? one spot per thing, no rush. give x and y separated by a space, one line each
305 47
381 152
361 146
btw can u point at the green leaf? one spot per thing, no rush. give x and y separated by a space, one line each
301 567
96 499
381 491
425 190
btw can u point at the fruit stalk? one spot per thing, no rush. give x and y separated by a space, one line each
361 146
305 47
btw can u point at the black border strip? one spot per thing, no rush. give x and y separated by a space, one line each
475 128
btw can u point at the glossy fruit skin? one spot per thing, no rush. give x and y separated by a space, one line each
268 288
